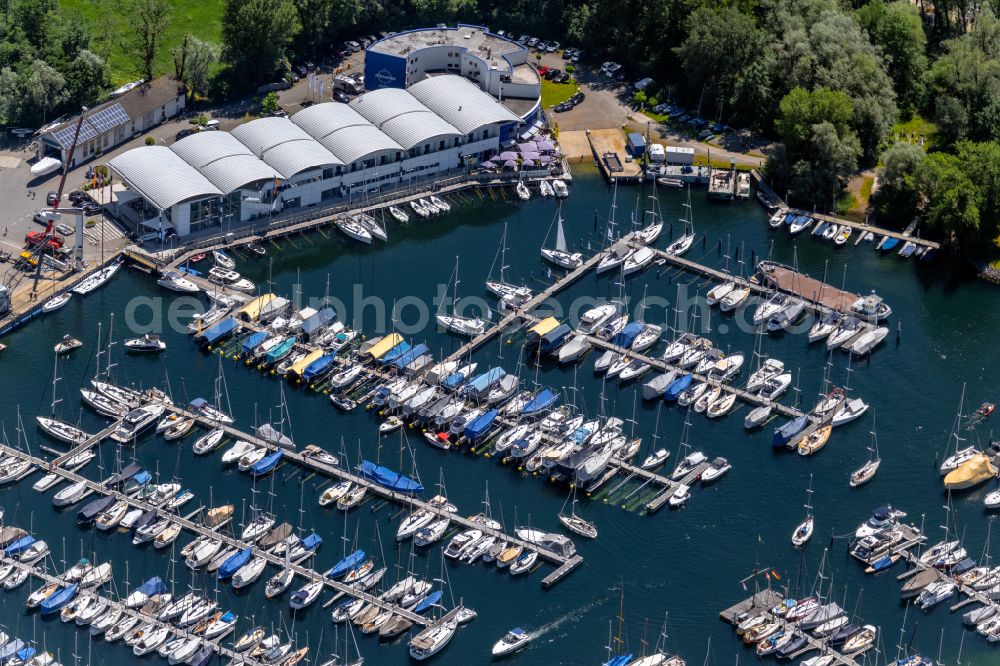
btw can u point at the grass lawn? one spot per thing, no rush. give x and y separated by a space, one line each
912 129
557 93
201 18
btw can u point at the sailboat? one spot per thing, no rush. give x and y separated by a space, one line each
963 454
510 295
648 234
469 326
575 523
684 243
804 531
614 646
56 427
560 255
866 472
615 255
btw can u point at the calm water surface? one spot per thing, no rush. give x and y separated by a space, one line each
687 563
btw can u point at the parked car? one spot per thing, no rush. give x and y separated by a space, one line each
552 46
568 53
551 73
561 78
662 107
577 98
611 69
355 47
578 56
532 42
564 106
301 70
52 198
64 229
541 45
523 39
211 126
91 209
341 96
705 134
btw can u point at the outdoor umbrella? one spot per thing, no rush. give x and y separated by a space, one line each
545 145
510 164
506 156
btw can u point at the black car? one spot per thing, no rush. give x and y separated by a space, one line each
577 98
183 133
552 74
341 96
560 108
91 209
561 78
51 199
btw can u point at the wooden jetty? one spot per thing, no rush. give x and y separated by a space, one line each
764 600
117 605
858 226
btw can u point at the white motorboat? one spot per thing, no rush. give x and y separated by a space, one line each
637 260
935 593
734 299
851 410
718 292
774 387
715 470
236 451
512 641
523 193
594 318
175 281
148 343
545 188
680 496
868 341
560 189
136 422
467 326
399 215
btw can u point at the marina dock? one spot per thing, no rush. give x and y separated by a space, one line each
609 150
839 221
117 605
761 602
198 529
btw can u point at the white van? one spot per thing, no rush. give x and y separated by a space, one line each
212 124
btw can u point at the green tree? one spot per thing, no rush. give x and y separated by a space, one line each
721 56
320 18
10 96
192 61
86 79
148 20
898 195
256 35
577 23
42 89
952 198
639 99
897 30
801 109
269 104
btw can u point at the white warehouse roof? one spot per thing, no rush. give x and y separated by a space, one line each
403 117
161 176
344 131
221 158
461 103
284 146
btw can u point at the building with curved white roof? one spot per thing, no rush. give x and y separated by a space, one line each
285 146
347 134
221 158
404 118
146 167
323 155
461 103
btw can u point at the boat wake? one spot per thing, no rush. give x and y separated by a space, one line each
572 616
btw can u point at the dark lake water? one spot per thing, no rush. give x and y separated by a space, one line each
687 563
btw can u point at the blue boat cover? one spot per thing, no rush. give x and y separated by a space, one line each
480 425
428 601
8 650
234 563
312 542
25 654
281 349
229 616
675 389
620 660
267 463
395 352
152 586
19 546
543 400
189 271
253 340
388 478
628 334
224 328
484 381
342 567
554 338
142 478
889 244
59 598
319 366
454 380
410 356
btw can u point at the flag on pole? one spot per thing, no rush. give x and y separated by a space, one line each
775 574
